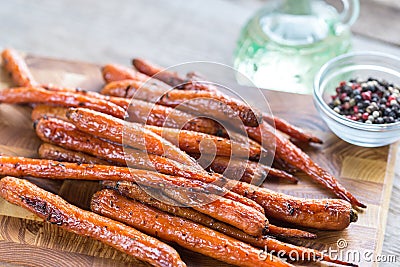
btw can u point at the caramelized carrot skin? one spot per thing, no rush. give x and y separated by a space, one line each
187 234
324 214
195 142
16 66
291 130
55 210
134 191
143 112
207 103
27 95
296 157
131 134
52 152
248 171
41 111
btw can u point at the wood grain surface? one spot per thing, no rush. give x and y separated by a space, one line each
367 172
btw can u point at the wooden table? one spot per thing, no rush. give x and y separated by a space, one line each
168 32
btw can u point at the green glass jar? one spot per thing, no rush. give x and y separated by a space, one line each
285 43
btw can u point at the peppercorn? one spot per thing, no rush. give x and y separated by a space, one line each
369 101
358 98
376 114
387 111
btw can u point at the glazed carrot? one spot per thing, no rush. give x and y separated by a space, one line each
59 133
113 129
324 214
15 65
64 134
237 214
52 152
132 134
207 103
186 233
211 103
55 210
284 232
291 130
41 111
248 171
134 191
144 112
280 164
115 72
195 142
25 95
294 156
197 82
194 82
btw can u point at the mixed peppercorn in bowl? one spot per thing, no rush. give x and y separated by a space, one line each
358 96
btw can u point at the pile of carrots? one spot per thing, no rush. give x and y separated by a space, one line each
141 140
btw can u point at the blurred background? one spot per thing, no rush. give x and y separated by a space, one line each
168 33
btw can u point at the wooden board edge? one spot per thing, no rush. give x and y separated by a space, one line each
387 192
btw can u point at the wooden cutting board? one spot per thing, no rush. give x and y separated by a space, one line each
367 172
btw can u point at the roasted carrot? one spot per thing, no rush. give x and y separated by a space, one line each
296 157
168 77
143 112
195 142
27 95
135 192
114 129
132 134
41 111
206 103
52 152
55 210
115 72
64 134
186 233
15 65
248 171
324 214
291 130
239 215
49 130
194 82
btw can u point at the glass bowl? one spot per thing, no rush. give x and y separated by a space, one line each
353 66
